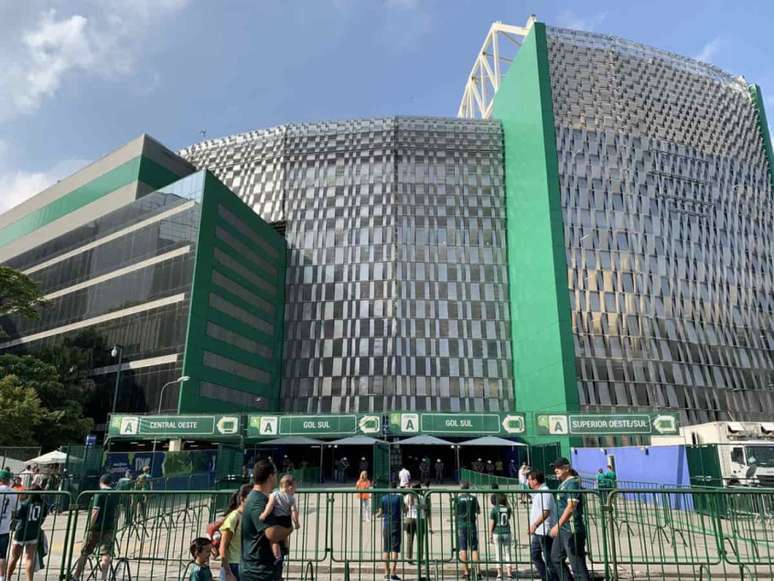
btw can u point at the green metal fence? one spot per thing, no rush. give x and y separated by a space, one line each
678 533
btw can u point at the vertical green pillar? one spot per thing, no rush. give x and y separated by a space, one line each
763 126
541 327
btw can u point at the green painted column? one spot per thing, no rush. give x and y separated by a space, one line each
541 327
763 126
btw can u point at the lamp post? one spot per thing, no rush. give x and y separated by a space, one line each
181 380
117 351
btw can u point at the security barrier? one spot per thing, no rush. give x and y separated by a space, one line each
437 533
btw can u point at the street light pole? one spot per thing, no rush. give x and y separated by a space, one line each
117 351
181 381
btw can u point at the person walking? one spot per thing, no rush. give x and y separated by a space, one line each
8 501
500 533
466 511
569 532
30 514
363 484
230 546
541 518
102 529
410 512
257 561
438 471
391 509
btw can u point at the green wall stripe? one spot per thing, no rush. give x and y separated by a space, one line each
763 126
541 327
136 169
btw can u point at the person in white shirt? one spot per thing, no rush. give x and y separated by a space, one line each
8 500
541 518
404 477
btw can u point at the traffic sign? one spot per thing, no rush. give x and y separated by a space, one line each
606 424
273 426
174 426
457 424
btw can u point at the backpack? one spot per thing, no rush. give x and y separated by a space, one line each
213 533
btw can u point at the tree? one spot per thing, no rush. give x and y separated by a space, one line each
20 412
19 294
61 405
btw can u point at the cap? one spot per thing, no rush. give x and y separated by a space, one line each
5 474
561 461
105 479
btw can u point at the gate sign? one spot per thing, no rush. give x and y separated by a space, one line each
174 426
260 426
607 424
457 424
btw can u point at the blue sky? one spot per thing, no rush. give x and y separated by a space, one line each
82 77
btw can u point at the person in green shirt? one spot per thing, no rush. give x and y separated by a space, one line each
102 528
500 532
569 532
230 548
611 477
257 562
30 514
466 511
200 551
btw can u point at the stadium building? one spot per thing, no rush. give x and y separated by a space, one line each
592 234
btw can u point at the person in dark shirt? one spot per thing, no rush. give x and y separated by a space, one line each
30 514
258 562
466 511
101 533
391 508
569 532
200 551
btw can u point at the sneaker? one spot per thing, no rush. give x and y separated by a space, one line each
394 578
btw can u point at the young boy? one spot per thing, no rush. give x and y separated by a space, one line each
283 511
500 533
200 551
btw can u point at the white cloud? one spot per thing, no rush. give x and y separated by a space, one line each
18 185
41 47
709 50
588 22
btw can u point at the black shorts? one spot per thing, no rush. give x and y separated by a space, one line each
283 521
392 538
4 540
467 538
410 526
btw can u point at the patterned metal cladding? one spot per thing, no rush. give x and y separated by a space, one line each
396 287
668 229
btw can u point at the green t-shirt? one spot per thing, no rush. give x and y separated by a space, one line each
501 515
568 492
232 524
257 560
124 484
466 509
29 518
107 506
200 573
612 479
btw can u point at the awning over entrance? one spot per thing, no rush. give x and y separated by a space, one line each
357 441
424 440
292 441
491 441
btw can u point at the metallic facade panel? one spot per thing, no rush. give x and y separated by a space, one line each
396 285
667 212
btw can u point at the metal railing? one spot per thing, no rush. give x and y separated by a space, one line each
434 534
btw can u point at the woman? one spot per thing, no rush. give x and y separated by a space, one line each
30 515
230 548
411 510
364 484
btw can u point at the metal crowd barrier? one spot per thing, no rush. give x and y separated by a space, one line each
676 533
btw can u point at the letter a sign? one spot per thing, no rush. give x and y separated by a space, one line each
409 423
268 426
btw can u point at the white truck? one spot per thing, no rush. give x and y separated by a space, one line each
745 449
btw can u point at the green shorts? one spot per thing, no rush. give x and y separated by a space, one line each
102 540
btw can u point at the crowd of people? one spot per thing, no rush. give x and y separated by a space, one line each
251 537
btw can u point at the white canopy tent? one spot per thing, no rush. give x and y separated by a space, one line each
53 457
